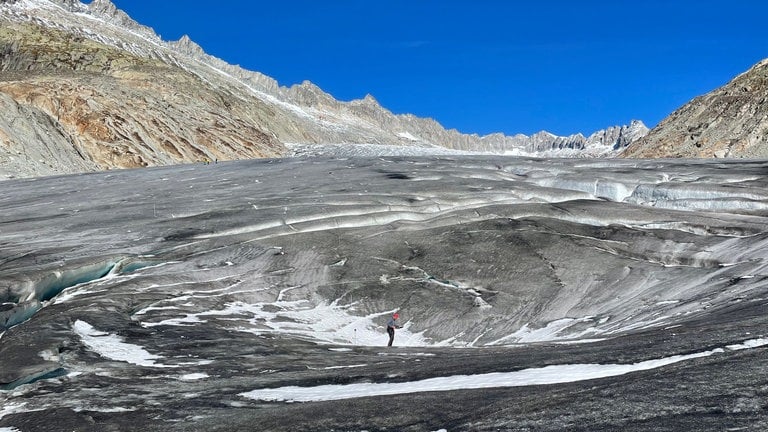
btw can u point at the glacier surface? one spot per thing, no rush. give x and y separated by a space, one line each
172 298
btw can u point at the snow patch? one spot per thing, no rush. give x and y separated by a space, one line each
104 410
752 343
194 376
536 376
324 323
346 367
667 302
546 334
113 347
408 136
12 408
554 374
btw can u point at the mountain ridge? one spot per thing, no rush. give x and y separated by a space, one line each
728 122
155 102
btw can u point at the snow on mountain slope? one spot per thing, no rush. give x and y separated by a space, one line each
125 98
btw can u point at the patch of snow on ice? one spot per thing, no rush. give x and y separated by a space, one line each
346 367
536 376
546 334
194 376
406 354
113 347
330 323
579 341
322 323
104 410
11 408
667 302
752 343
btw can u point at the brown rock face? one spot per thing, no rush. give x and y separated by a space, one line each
731 121
125 111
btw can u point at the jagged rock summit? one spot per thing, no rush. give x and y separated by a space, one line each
731 121
84 87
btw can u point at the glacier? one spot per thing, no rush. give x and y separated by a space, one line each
170 298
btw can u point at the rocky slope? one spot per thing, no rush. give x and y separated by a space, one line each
731 121
84 87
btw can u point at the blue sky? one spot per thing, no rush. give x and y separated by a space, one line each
484 66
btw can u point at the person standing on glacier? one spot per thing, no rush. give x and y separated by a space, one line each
391 326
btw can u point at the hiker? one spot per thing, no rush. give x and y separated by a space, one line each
391 326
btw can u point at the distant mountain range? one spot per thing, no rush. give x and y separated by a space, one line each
83 87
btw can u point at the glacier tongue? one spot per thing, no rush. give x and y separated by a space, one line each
280 273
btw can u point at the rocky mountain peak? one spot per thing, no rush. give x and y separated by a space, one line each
618 137
309 94
187 46
107 10
70 5
130 99
731 121
368 100
105 7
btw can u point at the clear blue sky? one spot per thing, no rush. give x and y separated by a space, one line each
484 66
